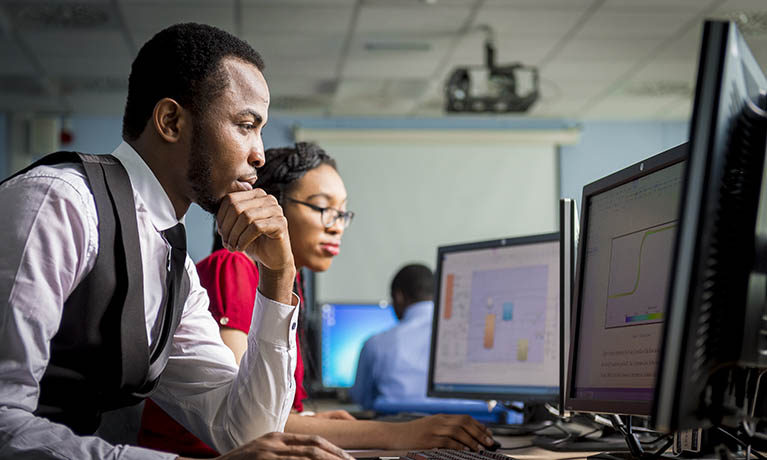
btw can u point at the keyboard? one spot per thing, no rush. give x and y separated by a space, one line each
454 454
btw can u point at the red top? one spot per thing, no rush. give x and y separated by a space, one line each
231 279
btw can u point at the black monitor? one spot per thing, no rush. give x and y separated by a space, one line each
496 320
629 220
714 338
568 245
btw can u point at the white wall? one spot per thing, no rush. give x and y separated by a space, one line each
411 197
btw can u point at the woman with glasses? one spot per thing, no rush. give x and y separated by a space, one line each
305 181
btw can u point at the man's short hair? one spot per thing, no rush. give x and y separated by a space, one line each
181 62
415 282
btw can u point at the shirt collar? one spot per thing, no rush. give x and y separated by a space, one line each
145 183
418 310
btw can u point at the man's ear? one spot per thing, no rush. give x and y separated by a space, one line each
398 297
169 119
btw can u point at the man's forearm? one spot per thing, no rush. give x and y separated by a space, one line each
26 436
347 434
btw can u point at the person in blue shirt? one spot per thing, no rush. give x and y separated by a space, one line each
394 364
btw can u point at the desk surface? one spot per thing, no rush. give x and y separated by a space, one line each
519 447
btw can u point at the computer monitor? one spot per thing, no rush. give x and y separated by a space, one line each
714 336
344 329
496 320
568 244
629 220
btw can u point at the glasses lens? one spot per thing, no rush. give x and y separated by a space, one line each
330 216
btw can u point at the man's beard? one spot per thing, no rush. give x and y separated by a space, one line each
201 169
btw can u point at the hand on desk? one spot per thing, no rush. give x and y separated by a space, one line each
450 431
273 446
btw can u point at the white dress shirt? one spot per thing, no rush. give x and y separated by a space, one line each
49 234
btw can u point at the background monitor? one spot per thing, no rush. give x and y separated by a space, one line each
344 329
714 338
568 244
496 320
629 220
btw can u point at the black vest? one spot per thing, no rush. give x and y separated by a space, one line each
100 355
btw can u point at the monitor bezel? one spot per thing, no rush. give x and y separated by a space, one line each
319 336
636 171
568 244
489 244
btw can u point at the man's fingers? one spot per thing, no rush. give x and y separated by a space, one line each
272 227
257 218
477 430
457 433
237 213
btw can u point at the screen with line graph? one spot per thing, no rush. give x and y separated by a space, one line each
630 222
497 320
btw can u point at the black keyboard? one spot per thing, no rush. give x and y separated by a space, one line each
454 454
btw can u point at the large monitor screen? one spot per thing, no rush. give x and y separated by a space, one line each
345 328
497 320
630 221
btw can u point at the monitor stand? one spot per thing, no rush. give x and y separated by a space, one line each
535 419
575 441
636 450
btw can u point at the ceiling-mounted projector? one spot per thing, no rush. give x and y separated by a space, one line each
492 88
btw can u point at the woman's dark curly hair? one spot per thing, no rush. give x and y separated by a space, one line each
283 167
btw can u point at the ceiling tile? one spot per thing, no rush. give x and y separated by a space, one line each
91 43
144 20
86 65
301 85
527 22
541 4
599 49
416 18
693 6
634 24
363 62
524 49
283 45
299 21
317 67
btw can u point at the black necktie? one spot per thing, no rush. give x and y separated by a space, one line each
176 237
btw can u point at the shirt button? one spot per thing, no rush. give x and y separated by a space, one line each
293 326
224 320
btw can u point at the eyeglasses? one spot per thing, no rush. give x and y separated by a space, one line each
329 216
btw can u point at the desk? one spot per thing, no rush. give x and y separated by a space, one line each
521 453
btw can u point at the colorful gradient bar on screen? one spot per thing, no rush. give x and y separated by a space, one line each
645 317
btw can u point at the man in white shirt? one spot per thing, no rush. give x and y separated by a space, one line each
197 102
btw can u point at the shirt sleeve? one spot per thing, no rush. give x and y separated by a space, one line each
49 235
363 390
231 280
204 390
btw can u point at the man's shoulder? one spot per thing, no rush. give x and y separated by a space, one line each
63 179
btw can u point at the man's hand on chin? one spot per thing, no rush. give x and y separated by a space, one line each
252 222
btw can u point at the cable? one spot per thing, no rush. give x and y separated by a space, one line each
756 393
742 444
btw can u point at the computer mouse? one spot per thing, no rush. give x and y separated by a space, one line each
495 446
